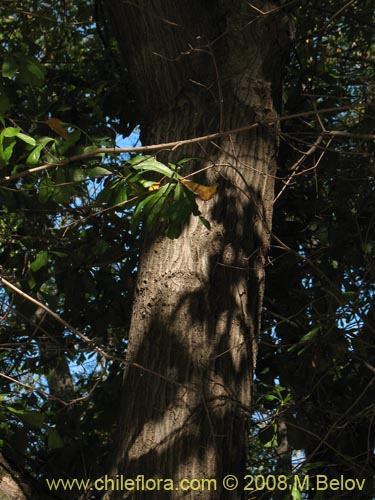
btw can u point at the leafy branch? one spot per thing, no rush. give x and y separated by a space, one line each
174 144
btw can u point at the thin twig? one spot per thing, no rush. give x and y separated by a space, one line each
33 389
339 133
45 308
81 336
335 424
298 163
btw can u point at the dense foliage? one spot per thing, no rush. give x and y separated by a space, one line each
69 239
57 244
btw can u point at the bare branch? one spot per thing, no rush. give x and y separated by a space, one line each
45 308
175 144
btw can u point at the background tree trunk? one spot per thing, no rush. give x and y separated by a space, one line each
199 67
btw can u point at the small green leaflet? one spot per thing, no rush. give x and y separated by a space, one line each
296 494
305 339
149 163
9 68
40 261
31 418
26 138
34 156
54 439
310 335
81 174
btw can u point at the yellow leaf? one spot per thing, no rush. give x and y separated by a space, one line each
56 125
205 193
154 187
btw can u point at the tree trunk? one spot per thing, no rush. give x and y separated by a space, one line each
199 67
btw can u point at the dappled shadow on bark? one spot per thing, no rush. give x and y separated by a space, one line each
184 416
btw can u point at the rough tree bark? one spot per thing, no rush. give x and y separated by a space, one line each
197 67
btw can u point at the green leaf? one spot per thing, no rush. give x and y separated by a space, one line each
296 494
179 193
179 210
43 141
34 156
119 194
78 174
4 102
101 247
63 194
6 153
313 465
273 443
20 440
98 171
27 139
184 160
45 190
270 397
32 72
135 177
92 147
310 335
31 281
137 215
64 145
147 184
149 163
40 261
10 132
54 439
103 196
63 255
16 411
8 141
155 204
81 174
9 68
33 419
